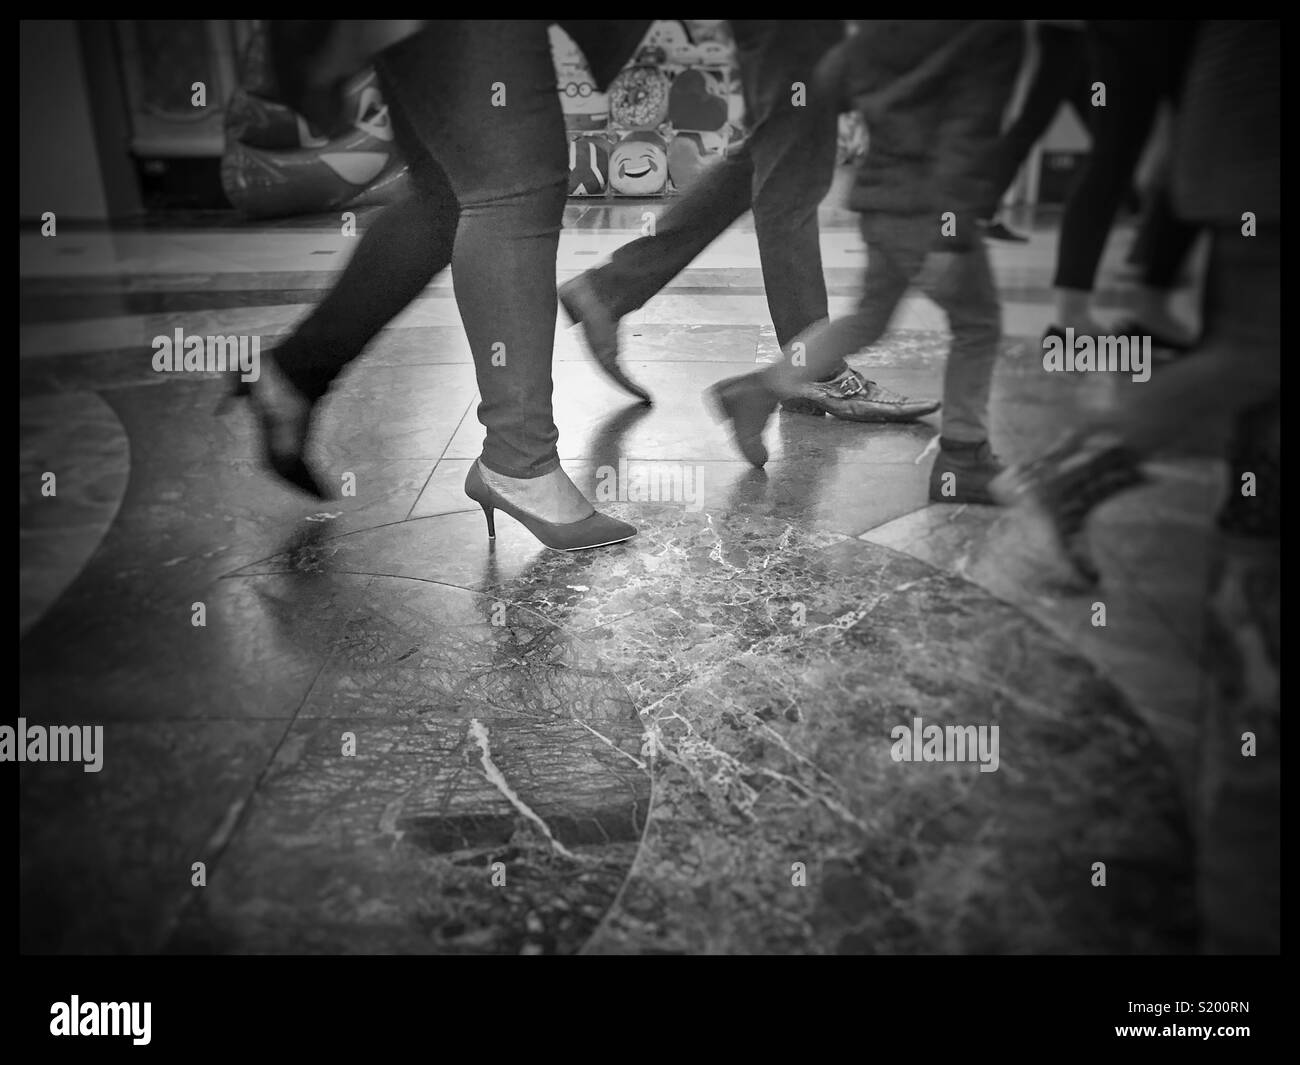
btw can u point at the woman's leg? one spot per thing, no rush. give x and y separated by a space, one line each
399 254
481 97
401 251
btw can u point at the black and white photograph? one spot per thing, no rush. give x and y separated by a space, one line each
649 488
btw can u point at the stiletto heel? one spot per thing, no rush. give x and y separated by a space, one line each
595 530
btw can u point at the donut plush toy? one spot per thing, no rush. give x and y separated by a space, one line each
638 165
588 166
638 98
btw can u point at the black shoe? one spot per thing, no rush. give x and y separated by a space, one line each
1064 487
746 403
284 417
584 306
963 472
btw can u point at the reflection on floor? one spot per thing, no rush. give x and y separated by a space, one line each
387 736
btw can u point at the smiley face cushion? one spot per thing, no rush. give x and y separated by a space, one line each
638 165
638 98
698 101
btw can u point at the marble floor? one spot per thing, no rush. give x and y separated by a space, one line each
360 727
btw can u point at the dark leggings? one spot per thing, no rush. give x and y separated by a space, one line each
488 191
1140 64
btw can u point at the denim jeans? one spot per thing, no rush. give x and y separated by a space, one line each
783 172
477 117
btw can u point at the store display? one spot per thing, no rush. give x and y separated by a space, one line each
675 110
682 79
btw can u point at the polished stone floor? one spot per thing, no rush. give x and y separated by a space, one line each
389 736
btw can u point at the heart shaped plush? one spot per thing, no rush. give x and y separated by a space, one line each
698 101
638 165
690 154
588 166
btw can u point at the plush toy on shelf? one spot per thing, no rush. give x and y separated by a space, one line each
691 154
669 115
585 109
638 165
638 97
698 101
588 165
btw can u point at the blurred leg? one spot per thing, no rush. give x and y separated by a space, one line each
1129 61
968 293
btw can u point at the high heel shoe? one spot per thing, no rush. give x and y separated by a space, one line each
600 326
746 404
595 530
284 434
